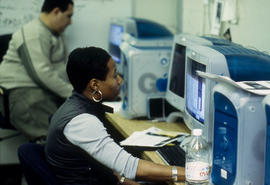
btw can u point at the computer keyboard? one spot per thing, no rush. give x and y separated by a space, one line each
172 155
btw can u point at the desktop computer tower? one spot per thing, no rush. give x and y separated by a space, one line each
145 71
266 107
239 137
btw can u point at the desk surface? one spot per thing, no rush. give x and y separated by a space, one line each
127 127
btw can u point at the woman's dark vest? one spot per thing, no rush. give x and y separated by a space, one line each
71 164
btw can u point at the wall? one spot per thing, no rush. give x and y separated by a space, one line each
91 17
90 23
192 16
192 20
162 11
14 13
254 26
252 29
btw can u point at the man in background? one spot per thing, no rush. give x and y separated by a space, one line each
33 69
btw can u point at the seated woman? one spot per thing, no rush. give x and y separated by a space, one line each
79 147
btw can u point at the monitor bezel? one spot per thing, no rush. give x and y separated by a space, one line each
130 27
184 40
215 63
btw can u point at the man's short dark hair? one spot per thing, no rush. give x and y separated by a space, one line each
85 64
49 5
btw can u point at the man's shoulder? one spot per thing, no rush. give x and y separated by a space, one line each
34 21
36 29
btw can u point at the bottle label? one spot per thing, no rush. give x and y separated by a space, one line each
197 170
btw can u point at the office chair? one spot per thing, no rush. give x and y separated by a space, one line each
4 104
4 109
34 165
4 40
4 114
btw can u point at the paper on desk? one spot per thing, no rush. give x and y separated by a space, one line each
149 138
255 87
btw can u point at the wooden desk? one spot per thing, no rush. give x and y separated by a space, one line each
127 127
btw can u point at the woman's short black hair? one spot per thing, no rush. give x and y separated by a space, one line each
85 64
49 5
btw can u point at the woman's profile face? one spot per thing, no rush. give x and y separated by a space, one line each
110 88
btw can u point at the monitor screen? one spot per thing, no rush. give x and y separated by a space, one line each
195 97
116 32
175 93
177 78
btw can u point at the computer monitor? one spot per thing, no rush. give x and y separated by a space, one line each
116 32
175 93
236 62
145 71
136 27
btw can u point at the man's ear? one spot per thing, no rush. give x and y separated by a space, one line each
56 10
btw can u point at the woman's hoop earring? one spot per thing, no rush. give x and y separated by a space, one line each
100 95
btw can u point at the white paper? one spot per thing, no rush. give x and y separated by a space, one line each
255 87
148 138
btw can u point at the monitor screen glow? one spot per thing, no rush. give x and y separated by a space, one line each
116 32
195 97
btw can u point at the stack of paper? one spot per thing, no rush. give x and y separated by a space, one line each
152 137
256 87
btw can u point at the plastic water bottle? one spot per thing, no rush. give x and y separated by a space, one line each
197 159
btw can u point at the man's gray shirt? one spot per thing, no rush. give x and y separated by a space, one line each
36 57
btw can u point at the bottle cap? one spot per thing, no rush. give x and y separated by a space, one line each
196 132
